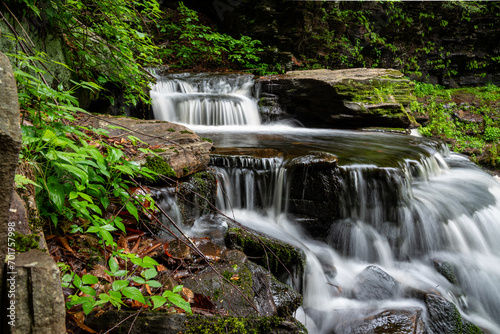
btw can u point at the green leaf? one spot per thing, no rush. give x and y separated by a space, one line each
132 210
113 265
154 284
133 293
177 288
120 284
108 238
120 273
119 224
114 154
177 300
78 172
88 306
124 169
56 194
48 135
105 202
77 281
150 273
148 262
87 290
158 301
67 278
139 280
89 279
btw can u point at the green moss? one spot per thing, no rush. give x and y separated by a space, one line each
160 166
24 243
236 325
206 139
186 131
262 251
171 130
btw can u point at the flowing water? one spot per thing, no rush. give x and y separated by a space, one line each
402 203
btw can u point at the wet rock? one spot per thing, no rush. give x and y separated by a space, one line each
286 259
446 269
249 295
401 321
286 299
234 256
184 151
196 196
444 317
39 300
349 99
375 284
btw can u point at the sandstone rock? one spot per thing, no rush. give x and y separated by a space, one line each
39 299
182 149
351 98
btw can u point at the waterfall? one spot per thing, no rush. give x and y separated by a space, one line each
205 99
402 203
401 219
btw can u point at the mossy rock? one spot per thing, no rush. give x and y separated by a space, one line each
197 195
261 250
159 165
238 325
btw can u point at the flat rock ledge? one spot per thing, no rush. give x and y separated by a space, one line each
344 99
181 148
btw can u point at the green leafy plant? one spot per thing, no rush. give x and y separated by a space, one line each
122 286
193 44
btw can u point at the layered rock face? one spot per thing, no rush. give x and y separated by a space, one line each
342 99
446 42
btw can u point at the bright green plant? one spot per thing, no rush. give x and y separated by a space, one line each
193 44
121 286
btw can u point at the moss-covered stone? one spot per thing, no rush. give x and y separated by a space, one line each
197 195
217 325
160 166
269 253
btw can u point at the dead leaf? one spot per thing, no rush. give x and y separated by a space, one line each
79 319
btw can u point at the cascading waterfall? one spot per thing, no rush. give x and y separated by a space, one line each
403 203
205 100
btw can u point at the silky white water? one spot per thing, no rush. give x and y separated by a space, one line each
404 202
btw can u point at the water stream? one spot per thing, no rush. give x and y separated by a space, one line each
402 203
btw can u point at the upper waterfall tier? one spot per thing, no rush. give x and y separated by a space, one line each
202 99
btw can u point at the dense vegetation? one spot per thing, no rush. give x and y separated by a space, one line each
466 118
83 181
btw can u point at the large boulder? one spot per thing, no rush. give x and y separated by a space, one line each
183 150
346 99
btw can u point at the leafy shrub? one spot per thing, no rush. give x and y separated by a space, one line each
492 134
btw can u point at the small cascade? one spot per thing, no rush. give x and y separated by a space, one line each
250 183
205 99
403 219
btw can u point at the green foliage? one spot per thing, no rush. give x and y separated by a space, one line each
75 179
121 287
492 134
194 45
467 118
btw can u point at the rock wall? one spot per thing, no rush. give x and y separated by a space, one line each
448 42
